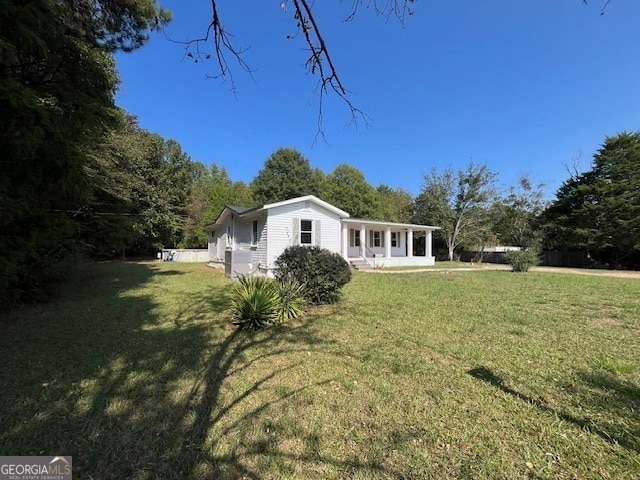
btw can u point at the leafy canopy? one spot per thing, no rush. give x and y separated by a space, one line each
286 174
57 82
347 188
458 203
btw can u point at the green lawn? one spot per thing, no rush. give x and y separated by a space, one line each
136 372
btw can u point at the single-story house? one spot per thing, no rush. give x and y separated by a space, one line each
249 240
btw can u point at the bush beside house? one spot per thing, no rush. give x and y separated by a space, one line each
321 272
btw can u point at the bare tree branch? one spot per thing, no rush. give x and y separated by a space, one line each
319 61
386 8
604 6
574 169
222 43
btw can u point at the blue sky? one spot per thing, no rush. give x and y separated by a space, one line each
524 86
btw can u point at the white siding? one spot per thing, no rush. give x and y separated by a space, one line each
260 256
280 228
242 233
219 241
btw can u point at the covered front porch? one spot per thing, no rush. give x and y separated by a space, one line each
386 244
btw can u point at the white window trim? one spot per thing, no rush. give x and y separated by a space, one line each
354 237
255 234
372 238
309 232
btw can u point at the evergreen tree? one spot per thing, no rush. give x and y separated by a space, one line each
598 211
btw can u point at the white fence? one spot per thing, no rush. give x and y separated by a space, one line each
191 255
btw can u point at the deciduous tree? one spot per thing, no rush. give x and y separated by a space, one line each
458 203
348 189
211 192
57 80
516 214
286 174
395 205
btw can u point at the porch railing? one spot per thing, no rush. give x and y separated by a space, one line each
371 252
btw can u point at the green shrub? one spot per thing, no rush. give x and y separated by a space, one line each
291 298
521 260
321 272
258 302
255 302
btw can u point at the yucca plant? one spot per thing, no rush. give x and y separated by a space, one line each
255 302
291 297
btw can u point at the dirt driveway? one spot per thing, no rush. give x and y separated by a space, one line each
584 271
495 266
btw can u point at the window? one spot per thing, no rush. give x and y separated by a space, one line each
376 238
354 237
306 232
229 239
254 233
394 239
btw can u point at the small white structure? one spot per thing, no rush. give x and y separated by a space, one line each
186 255
249 240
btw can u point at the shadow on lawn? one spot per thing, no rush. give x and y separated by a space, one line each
100 376
616 405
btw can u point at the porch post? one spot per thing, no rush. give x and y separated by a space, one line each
387 242
410 243
363 241
345 241
428 243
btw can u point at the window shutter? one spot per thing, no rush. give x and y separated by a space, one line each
318 233
296 232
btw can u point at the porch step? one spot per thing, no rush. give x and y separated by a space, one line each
360 265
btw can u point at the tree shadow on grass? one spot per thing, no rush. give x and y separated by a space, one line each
615 402
107 374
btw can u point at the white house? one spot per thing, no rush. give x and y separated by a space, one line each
248 240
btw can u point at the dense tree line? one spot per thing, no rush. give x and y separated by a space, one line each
57 83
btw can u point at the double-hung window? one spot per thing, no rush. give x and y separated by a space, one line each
394 239
354 240
229 237
306 232
255 233
376 239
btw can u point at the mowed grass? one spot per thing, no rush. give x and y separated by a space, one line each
136 372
